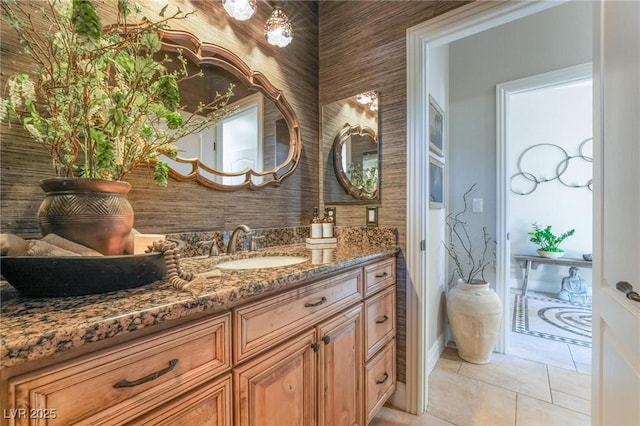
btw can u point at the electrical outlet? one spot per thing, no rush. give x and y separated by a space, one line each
477 205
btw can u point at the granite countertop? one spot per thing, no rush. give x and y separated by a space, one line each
31 329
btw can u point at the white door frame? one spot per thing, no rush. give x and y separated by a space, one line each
503 251
443 29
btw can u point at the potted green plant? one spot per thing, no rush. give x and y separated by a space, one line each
548 242
102 102
473 308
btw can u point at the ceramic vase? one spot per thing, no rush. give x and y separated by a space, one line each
550 254
475 315
91 212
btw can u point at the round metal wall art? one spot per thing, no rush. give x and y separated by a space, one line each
532 179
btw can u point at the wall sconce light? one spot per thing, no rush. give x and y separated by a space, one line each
365 98
240 9
369 98
278 30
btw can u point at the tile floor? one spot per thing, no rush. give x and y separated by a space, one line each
540 382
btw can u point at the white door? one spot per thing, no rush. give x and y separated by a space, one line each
616 319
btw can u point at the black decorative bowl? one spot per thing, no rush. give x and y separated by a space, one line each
43 276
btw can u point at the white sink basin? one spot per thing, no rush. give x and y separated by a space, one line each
261 262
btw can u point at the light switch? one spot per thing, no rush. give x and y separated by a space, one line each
477 205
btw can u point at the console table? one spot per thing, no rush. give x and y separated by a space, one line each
528 261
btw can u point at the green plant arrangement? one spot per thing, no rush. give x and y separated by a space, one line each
470 264
364 177
547 240
100 100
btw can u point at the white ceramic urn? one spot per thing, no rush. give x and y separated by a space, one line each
475 315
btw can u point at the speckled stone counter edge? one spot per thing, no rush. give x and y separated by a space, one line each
38 328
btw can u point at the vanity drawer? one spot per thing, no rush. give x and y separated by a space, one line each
266 323
380 376
379 319
118 384
379 275
208 405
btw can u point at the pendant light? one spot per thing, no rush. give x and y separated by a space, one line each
278 30
240 9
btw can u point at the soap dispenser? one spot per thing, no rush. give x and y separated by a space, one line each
316 224
327 225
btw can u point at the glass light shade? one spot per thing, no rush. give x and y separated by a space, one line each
373 106
278 30
240 9
365 98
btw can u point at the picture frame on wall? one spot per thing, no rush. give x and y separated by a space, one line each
436 183
436 127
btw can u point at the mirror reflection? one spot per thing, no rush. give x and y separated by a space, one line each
350 150
256 145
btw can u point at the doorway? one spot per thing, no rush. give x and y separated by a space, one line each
422 40
545 139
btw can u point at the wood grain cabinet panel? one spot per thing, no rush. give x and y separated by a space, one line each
208 405
265 323
380 381
340 385
116 385
380 320
379 275
279 387
320 354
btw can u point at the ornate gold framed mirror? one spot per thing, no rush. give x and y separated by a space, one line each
355 161
257 145
350 146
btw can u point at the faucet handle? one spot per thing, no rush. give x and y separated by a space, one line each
254 242
214 250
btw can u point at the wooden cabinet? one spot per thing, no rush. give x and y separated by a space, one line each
379 275
208 405
322 353
380 320
345 345
340 385
117 385
318 372
260 325
380 381
279 387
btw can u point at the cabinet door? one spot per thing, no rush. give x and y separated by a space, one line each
279 387
380 379
340 370
379 321
127 380
208 405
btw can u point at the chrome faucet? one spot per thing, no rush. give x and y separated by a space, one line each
233 240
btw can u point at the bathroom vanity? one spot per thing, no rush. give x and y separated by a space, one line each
303 344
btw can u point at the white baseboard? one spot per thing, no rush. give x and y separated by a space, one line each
434 353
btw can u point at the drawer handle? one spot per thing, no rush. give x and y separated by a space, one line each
379 382
318 303
382 275
124 383
380 321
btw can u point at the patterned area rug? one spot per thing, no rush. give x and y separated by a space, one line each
552 319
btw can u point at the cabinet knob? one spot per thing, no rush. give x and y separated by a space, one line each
315 346
326 339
